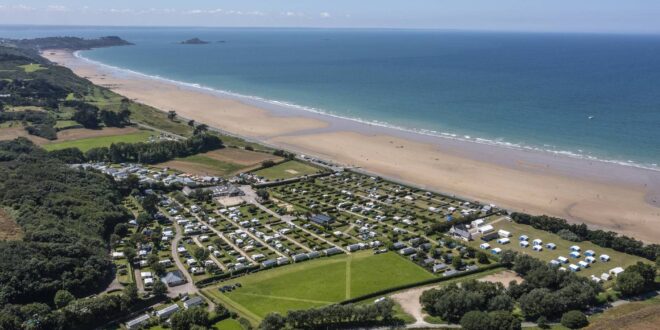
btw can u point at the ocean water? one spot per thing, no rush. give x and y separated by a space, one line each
587 95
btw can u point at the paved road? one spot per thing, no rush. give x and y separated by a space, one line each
188 286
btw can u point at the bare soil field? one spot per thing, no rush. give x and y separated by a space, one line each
504 277
14 132
9 229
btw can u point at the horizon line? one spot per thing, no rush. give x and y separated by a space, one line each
647 33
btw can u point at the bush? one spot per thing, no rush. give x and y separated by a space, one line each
568 235
574 320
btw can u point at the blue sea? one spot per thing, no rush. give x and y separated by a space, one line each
586 95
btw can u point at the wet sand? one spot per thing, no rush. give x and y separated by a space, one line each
603 195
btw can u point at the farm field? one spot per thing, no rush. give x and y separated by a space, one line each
287 170
618 259
634 315
318 282
223 162
100 139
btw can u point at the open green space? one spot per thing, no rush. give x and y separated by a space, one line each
203 164
618 259
101 141
228 324
287 170
66 124
317 283
32 67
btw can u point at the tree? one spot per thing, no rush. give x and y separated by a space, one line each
501 302
476 320
267 163
503 320
457 262
88 117
263 194
273 321
191 123
574 320
131 293
150 203
482 258
220 310
143 220
130 254
201 128
159 288
630 283
200 254
542 322
63 298
171 115
185 319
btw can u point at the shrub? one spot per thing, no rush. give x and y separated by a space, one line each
574 320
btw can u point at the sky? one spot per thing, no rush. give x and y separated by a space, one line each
608 16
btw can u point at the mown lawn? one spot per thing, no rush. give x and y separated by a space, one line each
617 258
287 170
101 141
317 283
228 324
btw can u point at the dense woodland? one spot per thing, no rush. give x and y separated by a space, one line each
67 216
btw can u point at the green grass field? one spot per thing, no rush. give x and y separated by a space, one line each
101 141
618 258
228 324
29 68
317 283
207 165
287 170
66 124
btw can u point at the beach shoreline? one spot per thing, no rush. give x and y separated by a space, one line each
605 195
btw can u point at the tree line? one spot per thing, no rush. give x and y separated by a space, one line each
146 153
606 239
333 315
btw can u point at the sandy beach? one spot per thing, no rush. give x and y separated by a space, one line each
604 195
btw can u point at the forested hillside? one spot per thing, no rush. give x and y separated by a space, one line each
66 215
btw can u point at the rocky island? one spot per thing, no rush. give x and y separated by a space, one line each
194 41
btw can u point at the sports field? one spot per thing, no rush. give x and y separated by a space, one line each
85 144
317 283
287 170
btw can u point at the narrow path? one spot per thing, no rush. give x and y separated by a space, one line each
188 287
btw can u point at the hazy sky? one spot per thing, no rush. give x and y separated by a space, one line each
520 15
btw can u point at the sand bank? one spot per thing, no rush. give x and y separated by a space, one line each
604 195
